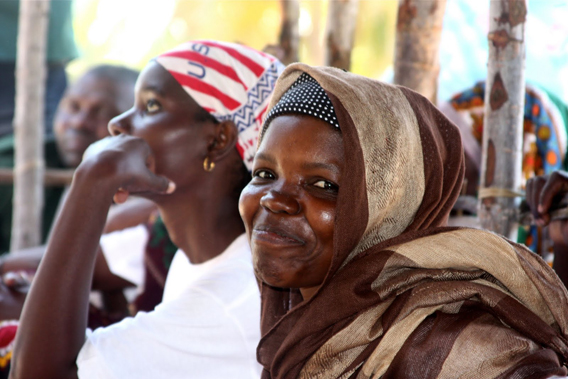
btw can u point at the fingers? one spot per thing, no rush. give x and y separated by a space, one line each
120 196
556 184
162 185
97 147
558 231
533 191
17 279
541 192
171 187
151 184
146 180
129 165
158 184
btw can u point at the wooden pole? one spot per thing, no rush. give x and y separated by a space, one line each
29 124
418 33
290 31
501 166
340 33
53 177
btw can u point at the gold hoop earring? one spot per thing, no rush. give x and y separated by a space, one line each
207 165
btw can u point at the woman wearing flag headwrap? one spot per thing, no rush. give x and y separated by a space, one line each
197 111
351 183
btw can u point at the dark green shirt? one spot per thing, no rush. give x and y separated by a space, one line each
52 195
60 39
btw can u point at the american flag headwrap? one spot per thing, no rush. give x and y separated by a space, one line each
230 81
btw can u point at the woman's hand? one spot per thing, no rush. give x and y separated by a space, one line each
56 309
542 193
125 165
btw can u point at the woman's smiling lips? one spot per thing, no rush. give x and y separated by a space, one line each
275 236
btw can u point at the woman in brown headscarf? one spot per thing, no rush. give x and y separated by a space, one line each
352 183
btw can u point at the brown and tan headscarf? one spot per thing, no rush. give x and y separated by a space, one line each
405 297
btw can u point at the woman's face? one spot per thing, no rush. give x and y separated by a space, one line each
289 206
164 116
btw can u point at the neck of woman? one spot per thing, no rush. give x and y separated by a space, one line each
202 226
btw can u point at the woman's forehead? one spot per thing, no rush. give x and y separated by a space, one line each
300 124
301 137
157 79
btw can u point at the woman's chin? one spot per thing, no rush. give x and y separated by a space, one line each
272 276
270 279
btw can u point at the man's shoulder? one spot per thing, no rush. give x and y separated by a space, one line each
7 148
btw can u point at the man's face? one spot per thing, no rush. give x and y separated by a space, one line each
83 115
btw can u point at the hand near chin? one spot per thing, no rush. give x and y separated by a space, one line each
125 165
543 192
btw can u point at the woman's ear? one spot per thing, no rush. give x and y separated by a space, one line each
225 140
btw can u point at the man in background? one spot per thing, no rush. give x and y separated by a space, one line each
81 119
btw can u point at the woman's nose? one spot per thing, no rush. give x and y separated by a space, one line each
278 202
120 124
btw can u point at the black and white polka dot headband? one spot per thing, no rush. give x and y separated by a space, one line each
305 96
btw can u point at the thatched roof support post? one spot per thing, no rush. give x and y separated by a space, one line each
501 169
340 32
29 124
418 33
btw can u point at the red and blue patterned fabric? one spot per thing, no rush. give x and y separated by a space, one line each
230 81
544 141
7 338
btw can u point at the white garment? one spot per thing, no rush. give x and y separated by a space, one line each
176 281
124 252
209 331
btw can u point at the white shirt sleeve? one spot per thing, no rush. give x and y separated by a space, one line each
124 253
209 333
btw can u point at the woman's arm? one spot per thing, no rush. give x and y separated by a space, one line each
134 212
542 192
54 319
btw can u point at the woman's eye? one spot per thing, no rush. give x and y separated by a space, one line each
324 184
264 174
152 106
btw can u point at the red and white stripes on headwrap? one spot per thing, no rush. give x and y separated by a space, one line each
230 81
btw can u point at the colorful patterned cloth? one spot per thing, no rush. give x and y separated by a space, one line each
160 251
544 145
7 338
230 81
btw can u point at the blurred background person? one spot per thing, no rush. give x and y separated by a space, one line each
81 119
135 250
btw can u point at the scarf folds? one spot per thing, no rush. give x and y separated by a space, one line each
405 297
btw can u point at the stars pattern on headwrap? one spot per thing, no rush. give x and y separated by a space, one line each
305 96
